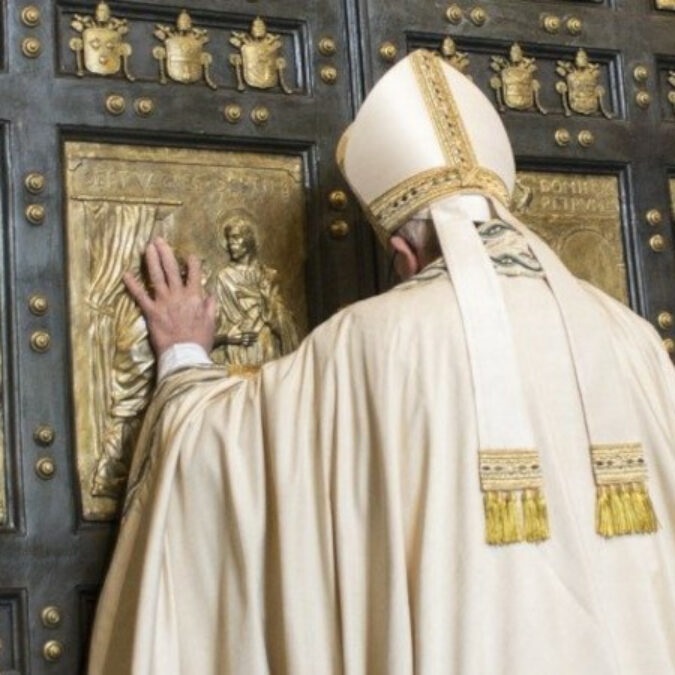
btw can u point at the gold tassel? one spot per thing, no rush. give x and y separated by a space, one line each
629 513
535 516
515 510
603 513
624 509
542 516
512 532
616 509
501 518
645 516
494 522
511 517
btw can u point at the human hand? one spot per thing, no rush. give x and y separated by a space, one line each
178 311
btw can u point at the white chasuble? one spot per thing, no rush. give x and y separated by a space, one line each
326 516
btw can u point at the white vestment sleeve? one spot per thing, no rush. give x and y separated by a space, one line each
181 355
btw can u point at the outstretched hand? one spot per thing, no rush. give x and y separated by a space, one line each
177 311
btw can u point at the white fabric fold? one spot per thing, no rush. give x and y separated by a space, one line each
181 355
609 417
501 412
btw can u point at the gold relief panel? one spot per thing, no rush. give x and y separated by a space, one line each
671 183
243 214
666 4
579 216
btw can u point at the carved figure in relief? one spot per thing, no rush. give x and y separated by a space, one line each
259 63
581 91
254 325
101 50
121 359
515 85
182 57
459 60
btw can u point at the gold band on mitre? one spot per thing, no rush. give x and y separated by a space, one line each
460 172
396 206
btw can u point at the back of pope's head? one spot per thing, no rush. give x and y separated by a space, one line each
425 132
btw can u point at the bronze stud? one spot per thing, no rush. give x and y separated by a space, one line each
44 435
31 47
45 468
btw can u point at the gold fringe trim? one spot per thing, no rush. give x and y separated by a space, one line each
515 516
624 509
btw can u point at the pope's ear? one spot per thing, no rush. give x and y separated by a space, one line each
406 261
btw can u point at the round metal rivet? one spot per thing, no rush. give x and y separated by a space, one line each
115 104
574 25
44 434
640 74
38 304
31 47
657 243
40 341
478 16
45 468
669 344
654 217
338 200
454 14
34 182
144 106
328 74
585 138
643 99
339 229
665 320
388 52
562 137
327 46
51 616
30 16
551 23
260 115
35 214
52 651
232 113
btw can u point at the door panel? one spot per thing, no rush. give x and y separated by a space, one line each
278 102
259 150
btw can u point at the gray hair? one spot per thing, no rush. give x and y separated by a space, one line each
422 237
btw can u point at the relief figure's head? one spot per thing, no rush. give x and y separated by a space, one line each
240 238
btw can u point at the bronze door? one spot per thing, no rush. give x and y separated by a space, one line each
118 125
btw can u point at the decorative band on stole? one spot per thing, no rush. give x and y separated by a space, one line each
513 496
623 504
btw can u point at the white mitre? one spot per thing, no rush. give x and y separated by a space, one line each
423 132
426 138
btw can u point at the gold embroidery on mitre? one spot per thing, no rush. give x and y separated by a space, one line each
397 205
513 497
623 504
461 171
442 110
